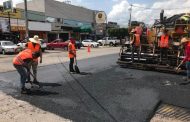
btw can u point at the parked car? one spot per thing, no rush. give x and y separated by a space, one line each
89 42
58 43
78 44
109 41
42 44
8 47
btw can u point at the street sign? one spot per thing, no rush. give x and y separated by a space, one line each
7 6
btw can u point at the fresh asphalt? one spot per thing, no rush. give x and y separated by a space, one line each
117 94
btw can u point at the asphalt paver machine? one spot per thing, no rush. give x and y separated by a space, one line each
178 26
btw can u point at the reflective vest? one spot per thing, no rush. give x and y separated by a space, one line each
18 59
164 41
35 48
71 48
137 40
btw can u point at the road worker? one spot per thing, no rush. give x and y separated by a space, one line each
34 45
135 44
186 44
71 54
21 63
164 45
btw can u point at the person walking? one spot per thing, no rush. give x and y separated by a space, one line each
21 63
34 45
186 44
71 54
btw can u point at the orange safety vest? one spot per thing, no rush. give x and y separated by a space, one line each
71 47
137 40
35 48
18 59
164 41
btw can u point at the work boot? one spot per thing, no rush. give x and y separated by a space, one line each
25 91
36 82
28 81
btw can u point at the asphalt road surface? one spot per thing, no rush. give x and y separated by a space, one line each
108 93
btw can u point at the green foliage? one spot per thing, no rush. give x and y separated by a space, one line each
118 32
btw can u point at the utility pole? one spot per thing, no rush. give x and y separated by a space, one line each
26 18
9 22
130 10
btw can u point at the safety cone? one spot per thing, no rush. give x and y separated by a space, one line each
88 48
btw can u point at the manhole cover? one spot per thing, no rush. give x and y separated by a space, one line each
170 113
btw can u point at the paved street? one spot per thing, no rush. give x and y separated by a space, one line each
118 94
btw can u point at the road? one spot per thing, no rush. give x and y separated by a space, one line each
108 93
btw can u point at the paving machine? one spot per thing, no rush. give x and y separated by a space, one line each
148 57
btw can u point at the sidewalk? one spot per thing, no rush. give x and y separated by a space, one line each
13 110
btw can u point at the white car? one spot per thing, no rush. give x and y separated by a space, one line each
42 44
89 42
108 41
8 47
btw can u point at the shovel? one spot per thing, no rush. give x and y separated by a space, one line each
34 78
76 67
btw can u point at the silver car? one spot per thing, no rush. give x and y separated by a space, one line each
8 47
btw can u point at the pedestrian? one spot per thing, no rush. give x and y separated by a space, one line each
34 45
186 44
71 54
135 44
164 45
21 63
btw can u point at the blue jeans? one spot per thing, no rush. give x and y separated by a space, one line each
23 74
188 69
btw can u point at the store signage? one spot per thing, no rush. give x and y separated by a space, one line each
18 28
100 17
16 15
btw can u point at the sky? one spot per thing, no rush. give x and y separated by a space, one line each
142 10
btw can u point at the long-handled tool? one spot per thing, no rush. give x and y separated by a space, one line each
38 83
76 67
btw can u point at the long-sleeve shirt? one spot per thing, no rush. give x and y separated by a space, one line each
187 52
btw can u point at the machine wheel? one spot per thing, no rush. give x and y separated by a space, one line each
111 44
92 46
100 43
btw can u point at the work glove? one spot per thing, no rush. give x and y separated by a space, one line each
25 65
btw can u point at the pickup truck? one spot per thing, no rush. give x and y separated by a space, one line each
109 41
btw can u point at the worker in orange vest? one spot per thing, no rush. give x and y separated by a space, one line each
135 44
164 45
34 45
185 42
71 54
21 63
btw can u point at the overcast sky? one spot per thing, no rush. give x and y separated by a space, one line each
143 10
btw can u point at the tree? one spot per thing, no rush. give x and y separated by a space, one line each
118 32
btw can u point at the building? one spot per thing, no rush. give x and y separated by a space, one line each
66 20
36 25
